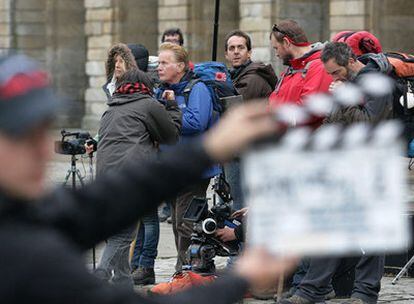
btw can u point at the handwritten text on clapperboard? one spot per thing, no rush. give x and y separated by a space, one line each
333 201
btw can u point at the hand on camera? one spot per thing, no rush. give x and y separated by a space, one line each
90 146
226 234
240 213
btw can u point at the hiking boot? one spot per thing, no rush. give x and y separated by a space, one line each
354 301
331 295
144 276
295 299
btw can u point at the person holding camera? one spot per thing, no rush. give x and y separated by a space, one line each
130 130
57 227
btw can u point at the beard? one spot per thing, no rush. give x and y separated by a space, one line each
350 75
287 58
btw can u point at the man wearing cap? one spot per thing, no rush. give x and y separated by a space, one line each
44 234
305 74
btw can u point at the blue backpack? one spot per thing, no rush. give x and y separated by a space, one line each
218 81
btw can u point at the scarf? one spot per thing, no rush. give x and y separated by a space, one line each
235 72
131 88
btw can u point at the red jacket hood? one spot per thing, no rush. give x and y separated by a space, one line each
314 53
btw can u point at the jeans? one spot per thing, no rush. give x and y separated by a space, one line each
115 258
300 272
233 177
368 273
145 251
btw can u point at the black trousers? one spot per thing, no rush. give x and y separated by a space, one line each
368 273
181 228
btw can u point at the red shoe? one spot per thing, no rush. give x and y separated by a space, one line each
181 281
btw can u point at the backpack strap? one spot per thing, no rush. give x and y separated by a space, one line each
290 71
188 88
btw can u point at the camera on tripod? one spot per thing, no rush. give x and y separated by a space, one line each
204 244
75 145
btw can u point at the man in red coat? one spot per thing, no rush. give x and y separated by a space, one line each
305 74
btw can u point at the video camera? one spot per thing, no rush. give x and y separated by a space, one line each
204 244
75 145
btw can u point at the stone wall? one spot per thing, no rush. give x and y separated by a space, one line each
5 26
100 35
71 37
29 18
256 19
393 22
349 15
174 13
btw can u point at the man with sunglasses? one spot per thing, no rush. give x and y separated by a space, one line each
305 74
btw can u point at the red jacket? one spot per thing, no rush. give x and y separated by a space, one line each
305 76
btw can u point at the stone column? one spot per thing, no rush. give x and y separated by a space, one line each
100 35
5 26
29 32
256 20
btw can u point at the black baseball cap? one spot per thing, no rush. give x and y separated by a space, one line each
26 98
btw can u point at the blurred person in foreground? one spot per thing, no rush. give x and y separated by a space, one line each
57 227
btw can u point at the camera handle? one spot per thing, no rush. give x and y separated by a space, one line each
73 172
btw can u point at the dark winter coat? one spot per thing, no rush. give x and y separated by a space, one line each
374 109
41 259
131 127
256 80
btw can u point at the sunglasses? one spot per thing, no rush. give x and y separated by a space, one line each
276 29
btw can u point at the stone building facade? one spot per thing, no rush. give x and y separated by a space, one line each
71 37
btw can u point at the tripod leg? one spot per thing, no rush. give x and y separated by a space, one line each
66 178
80 177
94 257
403 270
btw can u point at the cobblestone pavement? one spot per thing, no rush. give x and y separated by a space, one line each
402 293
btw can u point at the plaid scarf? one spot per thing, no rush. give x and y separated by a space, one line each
130 88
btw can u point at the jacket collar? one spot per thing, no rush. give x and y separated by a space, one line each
314 53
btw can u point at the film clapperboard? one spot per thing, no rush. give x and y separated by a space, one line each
337 190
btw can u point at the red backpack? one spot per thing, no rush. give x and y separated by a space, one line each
403 65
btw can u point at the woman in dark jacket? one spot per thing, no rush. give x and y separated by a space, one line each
131 129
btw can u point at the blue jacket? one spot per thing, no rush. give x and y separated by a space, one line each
197 113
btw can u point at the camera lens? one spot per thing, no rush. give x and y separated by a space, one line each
209 226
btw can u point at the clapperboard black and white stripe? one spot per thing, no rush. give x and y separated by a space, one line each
336 190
